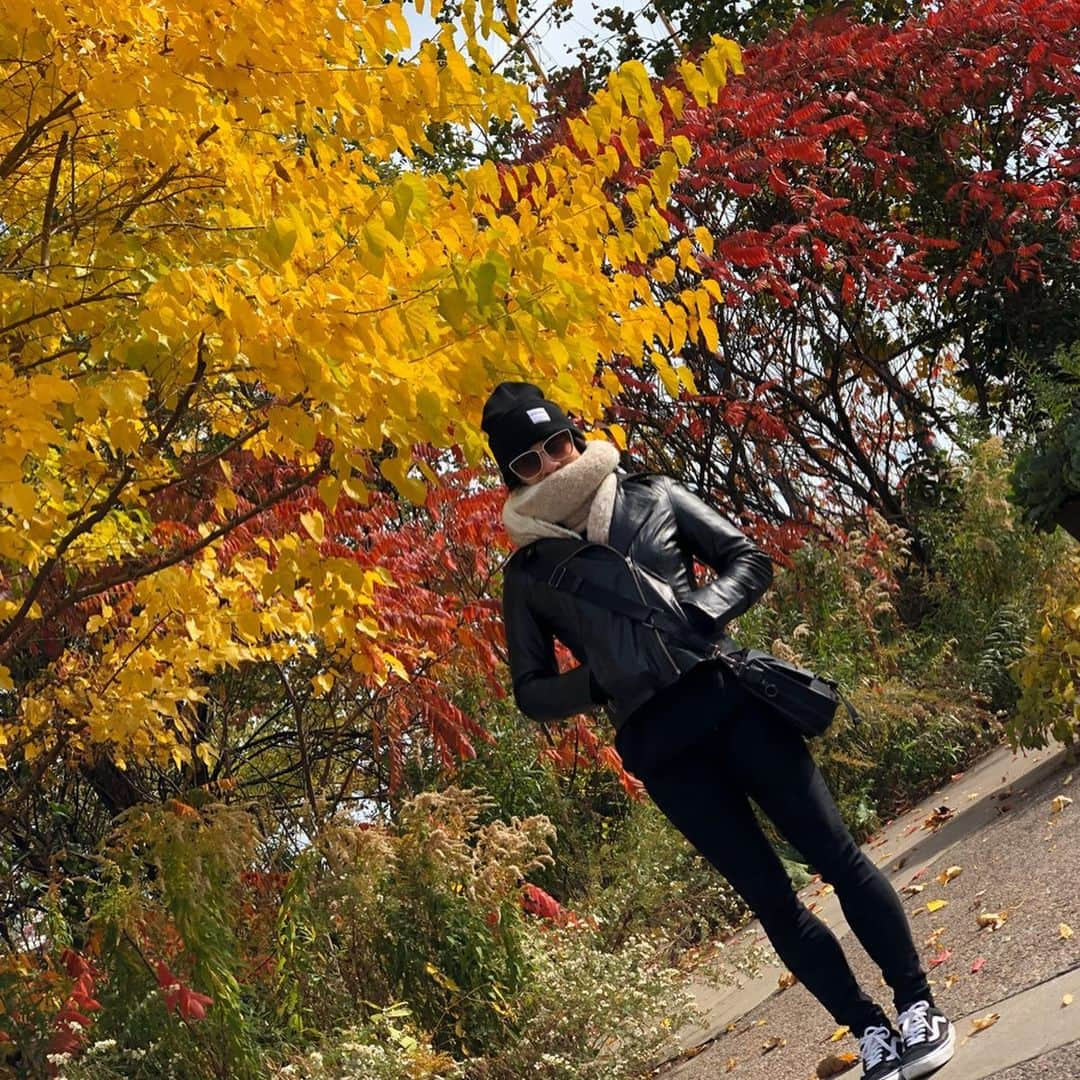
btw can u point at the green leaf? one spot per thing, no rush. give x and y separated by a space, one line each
453 304
485 276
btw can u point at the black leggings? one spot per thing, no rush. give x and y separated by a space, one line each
703 750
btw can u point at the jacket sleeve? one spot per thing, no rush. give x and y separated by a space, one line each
743 570
541 692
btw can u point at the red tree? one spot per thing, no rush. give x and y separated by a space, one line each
894 213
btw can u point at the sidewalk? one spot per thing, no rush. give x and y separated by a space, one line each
1019 859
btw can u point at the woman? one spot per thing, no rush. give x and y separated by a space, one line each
604 563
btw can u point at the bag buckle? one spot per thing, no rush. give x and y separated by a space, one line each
556 576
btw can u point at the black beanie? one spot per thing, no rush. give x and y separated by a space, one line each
516 415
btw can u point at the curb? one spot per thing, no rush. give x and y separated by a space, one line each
976 797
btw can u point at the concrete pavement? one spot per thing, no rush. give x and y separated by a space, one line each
1019 856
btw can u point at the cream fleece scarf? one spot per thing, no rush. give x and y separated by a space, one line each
578 498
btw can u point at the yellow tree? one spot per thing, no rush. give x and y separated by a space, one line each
212 239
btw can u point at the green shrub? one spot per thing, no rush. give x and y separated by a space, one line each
583 1014
909 741
590 1014
1047 471
1047 474
1049 673
410 941
652 885
980 585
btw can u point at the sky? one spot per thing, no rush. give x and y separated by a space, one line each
552 43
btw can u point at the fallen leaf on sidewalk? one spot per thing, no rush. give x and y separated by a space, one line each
1066 1000
949 873
913 890
941 958
774 1043
1059 803
950 981
995 920
730 1028
934 940
839 1033
1064 931
1067 780
936 905
786 980
835 1064
731 1063
938 818
977 964
981 1023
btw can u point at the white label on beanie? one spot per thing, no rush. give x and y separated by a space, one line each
538 416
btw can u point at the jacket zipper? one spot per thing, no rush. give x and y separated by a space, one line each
637 585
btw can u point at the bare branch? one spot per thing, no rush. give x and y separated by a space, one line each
50 200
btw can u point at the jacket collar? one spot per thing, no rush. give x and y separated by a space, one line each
632 507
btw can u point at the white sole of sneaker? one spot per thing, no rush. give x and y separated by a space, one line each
933 1060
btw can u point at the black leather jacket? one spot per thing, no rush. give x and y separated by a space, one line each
658 528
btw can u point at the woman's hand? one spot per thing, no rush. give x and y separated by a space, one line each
701 622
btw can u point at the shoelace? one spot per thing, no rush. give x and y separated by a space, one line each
876 1046
914 1027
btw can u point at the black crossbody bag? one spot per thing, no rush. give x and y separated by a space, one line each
805 700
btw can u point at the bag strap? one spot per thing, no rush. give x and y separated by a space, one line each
727 650
852 712
567 581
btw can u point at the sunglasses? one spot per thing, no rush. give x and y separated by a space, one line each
530 465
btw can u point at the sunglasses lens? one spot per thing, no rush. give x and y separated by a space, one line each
527 465
559 445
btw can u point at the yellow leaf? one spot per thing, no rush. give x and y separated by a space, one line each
1065 931
314 525
835 1064
936 905
1059 803
441 978
683 148
948 874
983 1022
839 1033
786 980
995 920
1066 1000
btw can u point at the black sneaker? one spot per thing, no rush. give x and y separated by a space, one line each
880 1048
929 1039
